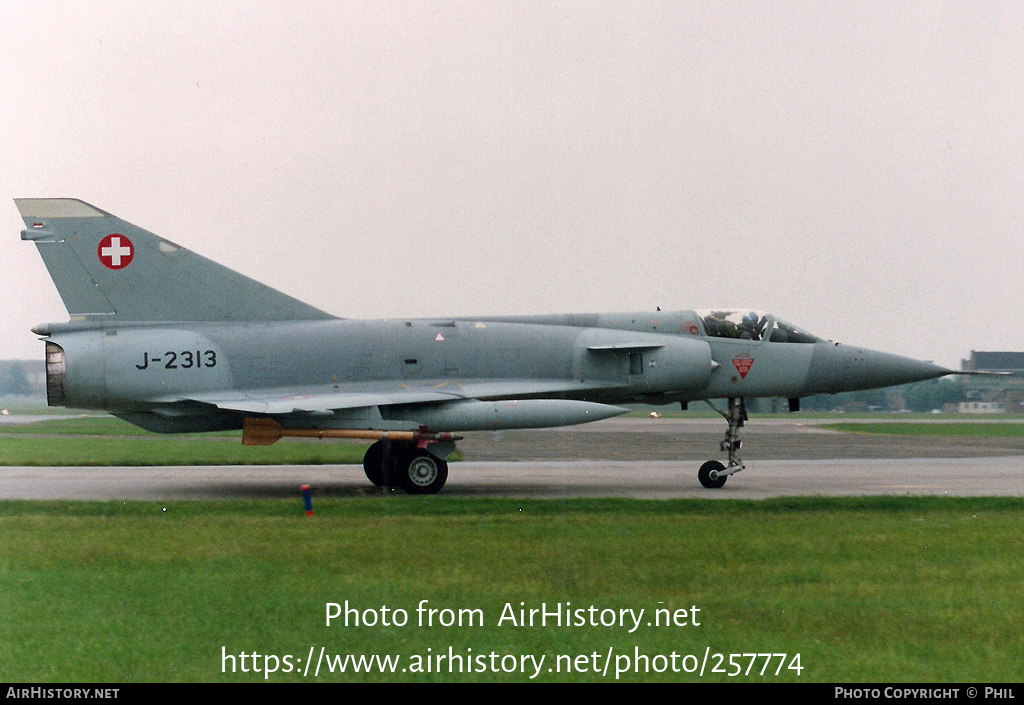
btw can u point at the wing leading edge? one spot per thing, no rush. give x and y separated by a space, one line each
448 406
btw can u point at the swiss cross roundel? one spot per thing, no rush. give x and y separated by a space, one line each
115 251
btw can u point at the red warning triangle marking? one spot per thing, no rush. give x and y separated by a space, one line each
743 362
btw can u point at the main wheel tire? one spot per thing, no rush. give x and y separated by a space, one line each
704 475
422 473
373 466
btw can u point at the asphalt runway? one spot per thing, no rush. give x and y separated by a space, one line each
640 458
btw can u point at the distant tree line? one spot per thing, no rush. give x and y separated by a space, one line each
920 397
16 378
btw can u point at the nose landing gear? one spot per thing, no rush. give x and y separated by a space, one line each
713 473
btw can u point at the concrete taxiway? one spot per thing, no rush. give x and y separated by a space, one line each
640 458
541 479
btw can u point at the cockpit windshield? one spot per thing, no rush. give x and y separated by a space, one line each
752 325
788 333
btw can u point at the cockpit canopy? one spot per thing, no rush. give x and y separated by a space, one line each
744 324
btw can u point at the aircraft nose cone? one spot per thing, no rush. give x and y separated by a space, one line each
847 368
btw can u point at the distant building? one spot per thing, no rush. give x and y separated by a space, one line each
994 395
981 407
994 362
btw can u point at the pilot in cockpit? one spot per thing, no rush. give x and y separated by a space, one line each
752 326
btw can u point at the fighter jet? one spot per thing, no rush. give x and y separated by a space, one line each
173 342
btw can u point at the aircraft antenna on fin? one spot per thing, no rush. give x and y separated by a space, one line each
106 268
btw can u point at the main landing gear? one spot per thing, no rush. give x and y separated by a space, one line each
713 473
416 470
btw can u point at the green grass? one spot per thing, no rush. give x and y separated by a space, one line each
171 451
995 429
871 589
93 426
105 440
874 589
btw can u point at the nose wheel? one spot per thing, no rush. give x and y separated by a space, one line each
713 473
705 474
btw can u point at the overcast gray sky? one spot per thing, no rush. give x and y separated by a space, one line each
854 167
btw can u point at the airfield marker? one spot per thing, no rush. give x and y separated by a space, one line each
307 498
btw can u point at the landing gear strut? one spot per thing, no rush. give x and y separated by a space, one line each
414 469
713 474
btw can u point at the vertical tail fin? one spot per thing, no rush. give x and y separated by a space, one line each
108 269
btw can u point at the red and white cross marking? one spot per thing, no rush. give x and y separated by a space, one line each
115 251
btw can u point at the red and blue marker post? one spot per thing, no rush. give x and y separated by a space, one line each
307 498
